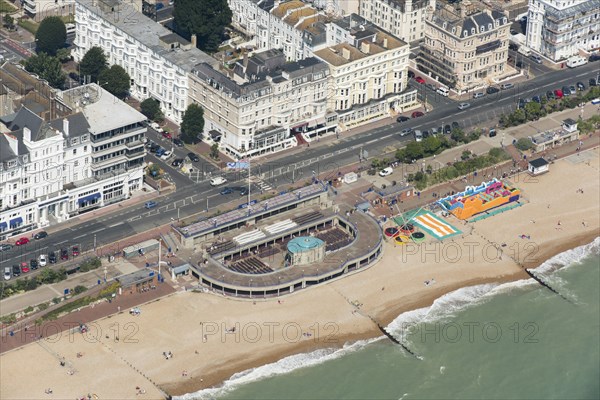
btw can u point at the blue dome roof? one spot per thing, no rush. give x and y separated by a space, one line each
304 243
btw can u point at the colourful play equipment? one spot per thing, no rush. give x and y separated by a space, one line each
407 229
417 237
477 199
391 232
401 239
427 222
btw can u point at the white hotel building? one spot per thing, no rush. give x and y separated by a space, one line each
52 171
157 60
559 29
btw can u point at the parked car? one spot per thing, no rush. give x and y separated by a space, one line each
75 251
418 135
447 129
160 151
193 157
592 82
492 132
405 131
519 64
52 257
455 125
219 180
411 74
5 247
550 95
594 57
464 106
513 47
386 171
43 260
64 254
558 94
154 148
178 162
243 191
166 155
178 142
16 270
537 59
33 263
580 86
7 273
537 99
226 191
426 134
416 114
492 90
40 235
566 91
402 118
506 86
478 95
22 241
420 80
167 135
572 89
150 204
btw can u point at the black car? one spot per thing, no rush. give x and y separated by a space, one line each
40 235
193 157
154 148
521 103
411 74
64 254
16 270
537 99
402 118
566 91
5 247
550 95
33 263
447 129
594 57
455 125
243 191
580 86
513 46
519 64
440 130
593 82
426 134
177 162
177 142
492 90
52 257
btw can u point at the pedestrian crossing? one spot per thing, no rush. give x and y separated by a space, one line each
264 186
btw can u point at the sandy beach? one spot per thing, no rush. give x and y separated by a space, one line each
212 337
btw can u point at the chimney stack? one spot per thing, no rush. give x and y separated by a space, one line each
346 53
245 60
27 134
66 127
13 143
365 47
194 40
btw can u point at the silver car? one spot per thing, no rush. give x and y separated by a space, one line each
464 106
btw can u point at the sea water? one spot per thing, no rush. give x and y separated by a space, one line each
510 341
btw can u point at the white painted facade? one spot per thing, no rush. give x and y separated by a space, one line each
559 29
403 19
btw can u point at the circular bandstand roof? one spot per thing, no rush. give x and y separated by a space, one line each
304 243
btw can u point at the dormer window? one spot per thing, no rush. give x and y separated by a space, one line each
444 25
465 33
472 31
482 29
489 27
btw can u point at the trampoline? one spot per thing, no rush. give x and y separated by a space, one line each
407 229
418 237
391 232
401 239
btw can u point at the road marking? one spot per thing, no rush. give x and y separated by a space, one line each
77 237
64 241
113 225
97 230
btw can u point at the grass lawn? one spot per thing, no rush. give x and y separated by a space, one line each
6 7
28 25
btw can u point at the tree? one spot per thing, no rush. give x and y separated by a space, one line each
63 55
9 21
151 109
92 63
207 19
533 110
51 35
524 144
413 151
214 151
116 80
192 124
46 67
431 145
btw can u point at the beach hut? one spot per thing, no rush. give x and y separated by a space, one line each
538 166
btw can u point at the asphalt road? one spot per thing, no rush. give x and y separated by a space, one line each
191 198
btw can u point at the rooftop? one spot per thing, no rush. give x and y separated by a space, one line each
281 10
145 31
475 21
102 110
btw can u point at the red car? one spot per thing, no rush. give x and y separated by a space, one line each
417 114
22 241
167 135
558 93
75 251
24 267
420 80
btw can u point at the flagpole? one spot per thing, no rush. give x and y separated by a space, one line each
248 181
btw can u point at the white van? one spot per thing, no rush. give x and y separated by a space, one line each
219 180
418 136
443 91
576 61
526 51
